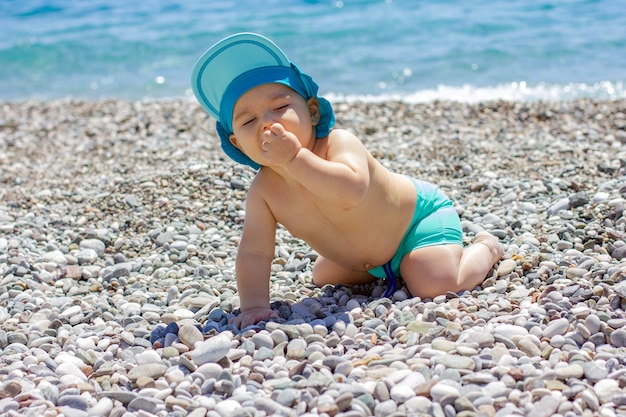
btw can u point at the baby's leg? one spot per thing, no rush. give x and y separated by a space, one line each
328 272
434 270
478 259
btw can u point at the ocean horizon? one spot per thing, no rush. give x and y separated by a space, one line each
372 50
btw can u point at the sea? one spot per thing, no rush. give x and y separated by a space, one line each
373 50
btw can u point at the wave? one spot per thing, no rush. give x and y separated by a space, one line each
514 91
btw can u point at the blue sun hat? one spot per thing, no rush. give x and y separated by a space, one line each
239 63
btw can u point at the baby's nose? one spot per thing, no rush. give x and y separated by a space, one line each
267 122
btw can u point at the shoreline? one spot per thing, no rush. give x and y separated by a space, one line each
118 218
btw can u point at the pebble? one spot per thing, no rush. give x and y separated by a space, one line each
117 280
401 393
440 391
190 335
506 267
211 350
556 327
606 390
528 347
618 338
509 331
455 361
102 408
545 407
569 371
150 370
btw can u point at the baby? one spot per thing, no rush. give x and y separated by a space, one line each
322 185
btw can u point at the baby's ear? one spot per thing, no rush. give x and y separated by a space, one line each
314 109
233 141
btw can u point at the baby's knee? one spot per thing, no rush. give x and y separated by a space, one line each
324 274
320 277
319 281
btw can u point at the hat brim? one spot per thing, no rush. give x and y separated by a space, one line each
226 60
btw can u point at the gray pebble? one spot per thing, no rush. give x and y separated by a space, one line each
211 350
73 401
556 327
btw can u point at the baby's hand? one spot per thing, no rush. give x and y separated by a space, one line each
279 146
253 316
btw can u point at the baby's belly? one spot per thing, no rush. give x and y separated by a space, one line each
361 238
361 255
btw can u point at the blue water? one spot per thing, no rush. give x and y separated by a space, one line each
364 49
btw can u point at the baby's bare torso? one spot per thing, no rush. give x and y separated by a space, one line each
359 238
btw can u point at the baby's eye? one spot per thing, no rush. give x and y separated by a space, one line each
282 106
249 121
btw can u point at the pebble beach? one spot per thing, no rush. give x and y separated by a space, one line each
119 226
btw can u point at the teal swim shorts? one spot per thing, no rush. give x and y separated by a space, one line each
435 222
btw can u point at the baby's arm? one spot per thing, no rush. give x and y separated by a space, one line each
340 177
254 259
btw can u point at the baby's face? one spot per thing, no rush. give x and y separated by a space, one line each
259 108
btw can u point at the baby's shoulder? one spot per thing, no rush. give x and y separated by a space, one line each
265 181
341 133
342 136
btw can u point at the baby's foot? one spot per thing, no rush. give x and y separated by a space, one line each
489 240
